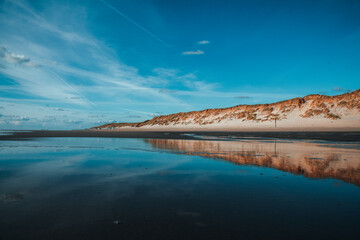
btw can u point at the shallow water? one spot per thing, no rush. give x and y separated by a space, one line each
111 188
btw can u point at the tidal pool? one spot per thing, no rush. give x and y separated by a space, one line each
113 188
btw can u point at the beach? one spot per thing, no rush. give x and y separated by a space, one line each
89 184
321 134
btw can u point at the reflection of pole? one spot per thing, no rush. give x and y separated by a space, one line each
275 146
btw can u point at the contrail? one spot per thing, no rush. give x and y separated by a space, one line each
67 84
127 18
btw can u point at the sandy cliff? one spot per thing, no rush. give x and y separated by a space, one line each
312 111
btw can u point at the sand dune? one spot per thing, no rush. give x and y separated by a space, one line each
310 112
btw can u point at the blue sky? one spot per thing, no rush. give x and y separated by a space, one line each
77 64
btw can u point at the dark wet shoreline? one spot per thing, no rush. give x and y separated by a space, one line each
326 136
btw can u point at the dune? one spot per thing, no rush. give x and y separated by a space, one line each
312 112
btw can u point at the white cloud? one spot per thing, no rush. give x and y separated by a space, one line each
16 58
197 52
203 42
14 123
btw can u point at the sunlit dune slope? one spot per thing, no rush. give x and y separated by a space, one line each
341 111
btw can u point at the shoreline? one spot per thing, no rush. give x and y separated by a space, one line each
230 129
343 136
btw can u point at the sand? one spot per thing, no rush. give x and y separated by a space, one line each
321 134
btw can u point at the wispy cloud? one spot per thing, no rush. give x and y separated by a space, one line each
243 97
13 119
79 58
197 52
61 65
16 58
134 116
203 42
164 90
338 89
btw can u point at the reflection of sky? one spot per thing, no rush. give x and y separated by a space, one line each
35 161
30 163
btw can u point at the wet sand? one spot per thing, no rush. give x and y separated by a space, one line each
328 136
122 188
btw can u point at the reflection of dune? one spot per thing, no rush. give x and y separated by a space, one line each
308 159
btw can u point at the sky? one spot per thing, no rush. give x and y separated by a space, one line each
78 64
